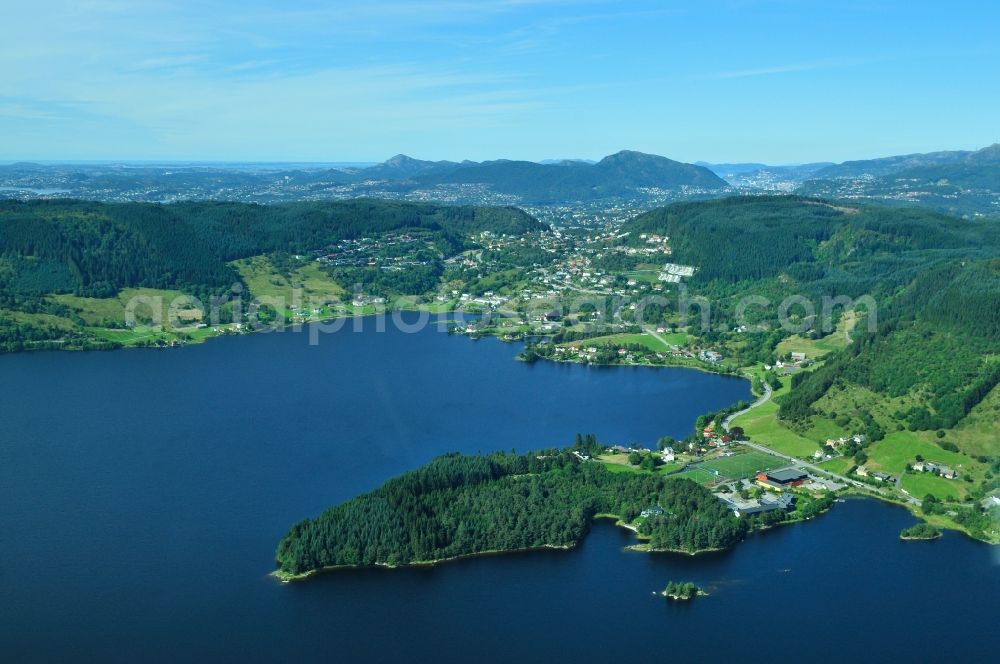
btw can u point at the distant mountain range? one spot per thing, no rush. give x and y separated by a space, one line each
621 174
958 182
625 174
402 167
744 174
892 165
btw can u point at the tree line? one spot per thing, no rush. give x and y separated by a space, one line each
459 505
96 249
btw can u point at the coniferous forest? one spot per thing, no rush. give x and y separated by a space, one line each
462 505
96 249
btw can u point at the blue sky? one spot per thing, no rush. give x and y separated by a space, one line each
361 80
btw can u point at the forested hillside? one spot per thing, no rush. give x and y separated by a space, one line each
461 505
70 269
96 249
937 342
933 353
824 246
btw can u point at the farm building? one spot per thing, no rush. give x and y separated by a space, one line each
782 478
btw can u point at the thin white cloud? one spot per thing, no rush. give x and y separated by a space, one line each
785 69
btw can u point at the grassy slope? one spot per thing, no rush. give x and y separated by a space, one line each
839 465
144 303
816 348
900 447
618 463
265 282
762 424
979 432
921 484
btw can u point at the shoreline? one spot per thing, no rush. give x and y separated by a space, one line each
942 523
697 367
288 577
910 538
111 345
641 547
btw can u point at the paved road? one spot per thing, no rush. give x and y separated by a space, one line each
816 469
764 398
656 335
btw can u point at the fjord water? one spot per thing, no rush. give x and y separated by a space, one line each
142 494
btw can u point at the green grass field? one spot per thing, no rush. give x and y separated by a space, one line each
618 463
698 475
814 348
264 281
641 339
921 484
743 466
901 447
840 465
676 338
647 276
619 468
762 425
979 432
822 428
144 303
92 310
40 319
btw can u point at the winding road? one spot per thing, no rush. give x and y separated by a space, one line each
799 463
764 398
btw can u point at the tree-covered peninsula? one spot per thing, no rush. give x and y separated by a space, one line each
465 505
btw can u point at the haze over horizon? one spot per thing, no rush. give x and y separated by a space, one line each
762 81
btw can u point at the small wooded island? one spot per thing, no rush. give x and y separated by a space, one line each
682 592
920 531
460 505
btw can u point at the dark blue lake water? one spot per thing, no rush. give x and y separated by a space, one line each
142 494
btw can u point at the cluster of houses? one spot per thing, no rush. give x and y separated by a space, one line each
714 439
651 511
918 466
589 354
937 469
653 238
365 300
710 356
837 443
487 300
365 252
667 454
797 361
621 449
862 471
